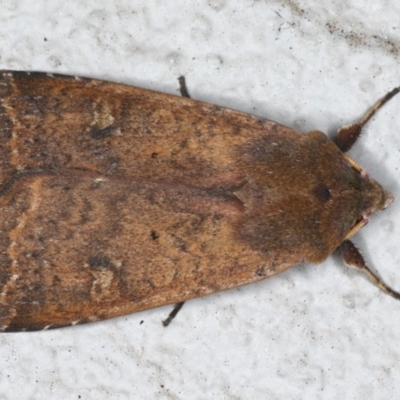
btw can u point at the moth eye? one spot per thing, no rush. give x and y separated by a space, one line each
322 193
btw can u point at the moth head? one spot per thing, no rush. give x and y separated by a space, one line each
375 198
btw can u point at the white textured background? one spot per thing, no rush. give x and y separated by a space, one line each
315 332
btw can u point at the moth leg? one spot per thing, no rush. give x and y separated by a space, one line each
183 87
173 313
354 259
184 93
348 134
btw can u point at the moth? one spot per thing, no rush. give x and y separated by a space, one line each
116 199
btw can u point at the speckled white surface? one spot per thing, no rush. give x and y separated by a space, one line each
314 332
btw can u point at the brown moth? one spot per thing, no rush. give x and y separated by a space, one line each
116 199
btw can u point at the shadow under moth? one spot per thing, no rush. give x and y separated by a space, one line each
116 199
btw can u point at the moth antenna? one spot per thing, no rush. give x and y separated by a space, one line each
348 134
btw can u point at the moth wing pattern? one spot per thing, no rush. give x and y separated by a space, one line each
116 199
